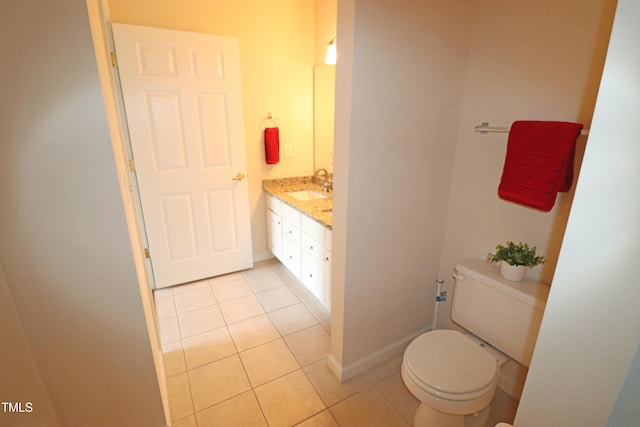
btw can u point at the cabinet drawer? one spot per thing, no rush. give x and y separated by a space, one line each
314 229
311 246
274 204
291 232
291 215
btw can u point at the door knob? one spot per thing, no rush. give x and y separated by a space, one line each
238 177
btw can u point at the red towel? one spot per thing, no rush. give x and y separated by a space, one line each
539 162
272 145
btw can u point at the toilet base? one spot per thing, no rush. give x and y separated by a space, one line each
428 417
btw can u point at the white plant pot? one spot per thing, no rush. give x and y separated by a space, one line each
514 273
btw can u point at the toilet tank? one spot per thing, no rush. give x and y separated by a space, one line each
505 314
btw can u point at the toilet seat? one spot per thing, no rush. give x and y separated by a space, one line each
450 366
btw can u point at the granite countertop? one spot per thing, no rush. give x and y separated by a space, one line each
318 209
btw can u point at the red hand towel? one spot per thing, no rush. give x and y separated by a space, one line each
272 145
539 162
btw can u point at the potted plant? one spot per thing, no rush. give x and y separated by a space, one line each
514 259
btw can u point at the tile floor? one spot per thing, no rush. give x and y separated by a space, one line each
249 349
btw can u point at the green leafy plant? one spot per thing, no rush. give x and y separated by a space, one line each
516 254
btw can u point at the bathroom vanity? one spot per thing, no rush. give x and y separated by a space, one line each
299 218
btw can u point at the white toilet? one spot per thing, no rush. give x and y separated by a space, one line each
455 375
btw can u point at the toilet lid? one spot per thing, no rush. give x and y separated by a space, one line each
445 361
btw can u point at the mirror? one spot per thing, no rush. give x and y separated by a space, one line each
324 82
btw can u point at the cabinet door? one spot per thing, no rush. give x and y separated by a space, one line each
313 276
291 256
275 234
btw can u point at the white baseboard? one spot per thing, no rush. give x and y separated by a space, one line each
343 373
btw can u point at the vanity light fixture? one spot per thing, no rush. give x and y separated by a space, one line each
331 52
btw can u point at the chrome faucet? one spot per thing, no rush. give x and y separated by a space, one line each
326 184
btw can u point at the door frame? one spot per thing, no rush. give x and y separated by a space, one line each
100 24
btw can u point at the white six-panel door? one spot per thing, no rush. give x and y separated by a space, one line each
182 97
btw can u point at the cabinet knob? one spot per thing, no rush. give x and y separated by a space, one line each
311 247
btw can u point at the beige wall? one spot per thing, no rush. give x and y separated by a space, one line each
522 65
64 243
591 327
399 86
545 69
412 84
21 382
277 42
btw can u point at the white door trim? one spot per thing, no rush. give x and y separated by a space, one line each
100 29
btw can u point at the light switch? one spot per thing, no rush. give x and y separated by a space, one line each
287 150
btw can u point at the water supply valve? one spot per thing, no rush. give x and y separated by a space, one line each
440 294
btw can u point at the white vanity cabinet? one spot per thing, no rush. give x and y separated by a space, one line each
303 245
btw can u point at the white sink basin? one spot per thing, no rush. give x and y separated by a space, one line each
306 195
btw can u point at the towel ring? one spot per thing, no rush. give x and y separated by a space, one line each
264 123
